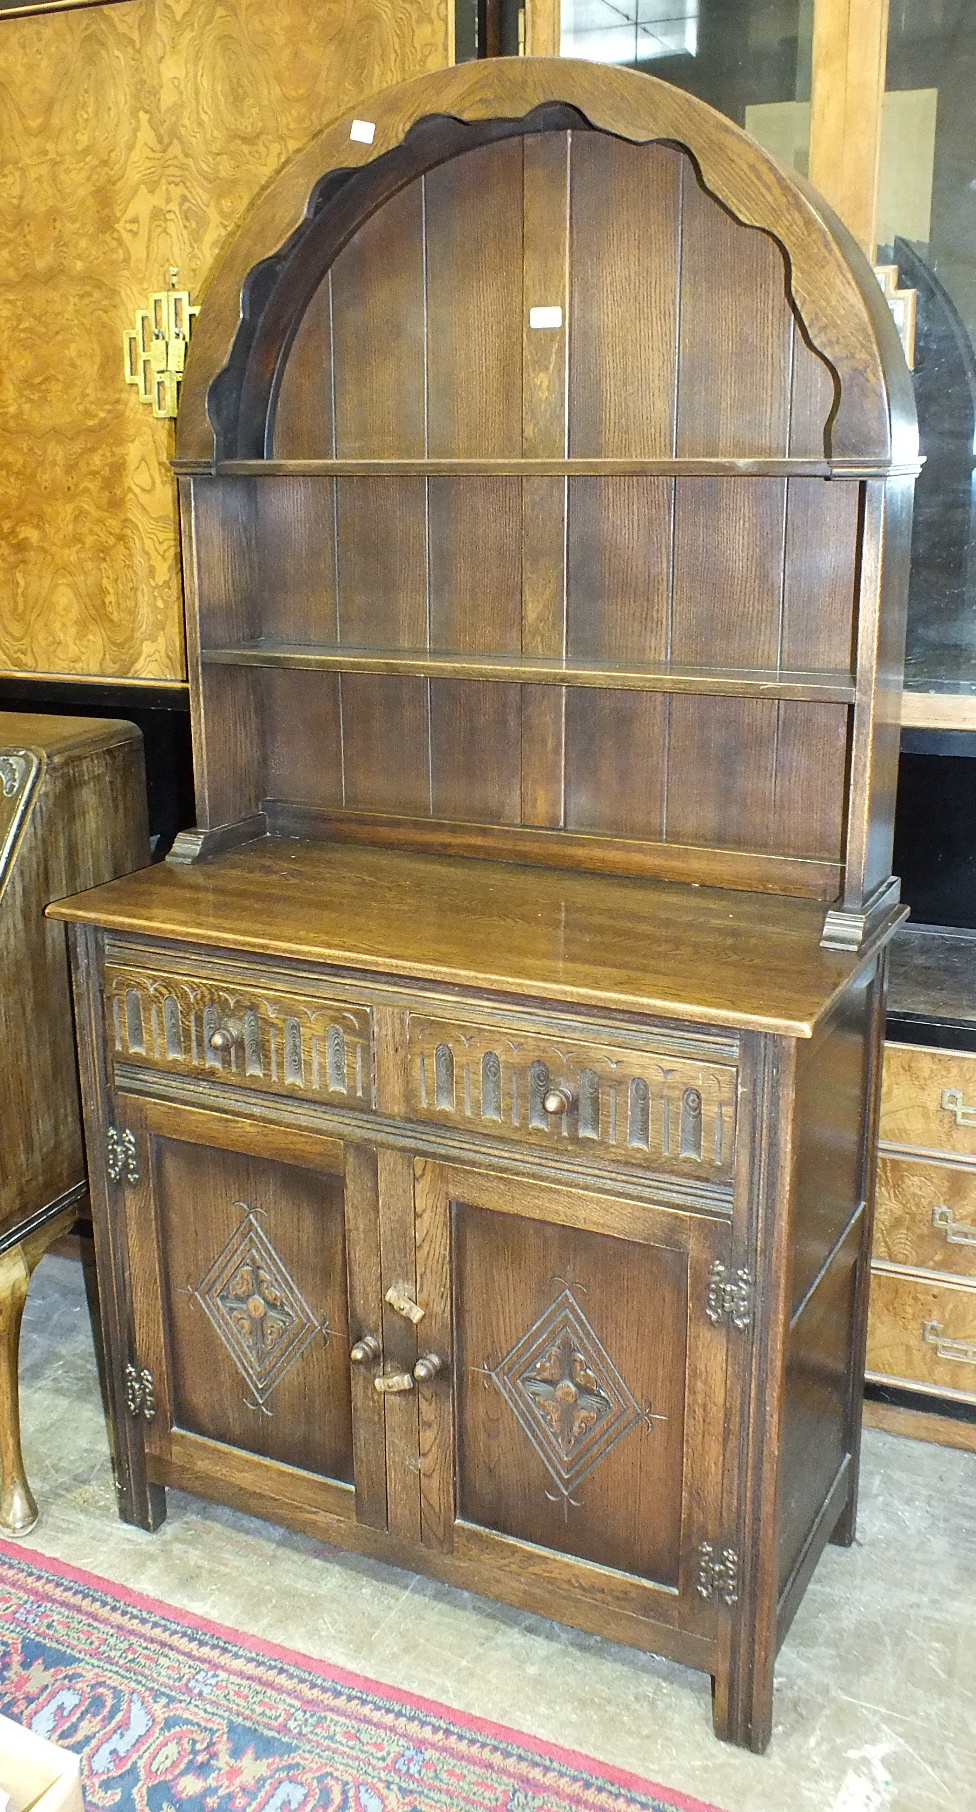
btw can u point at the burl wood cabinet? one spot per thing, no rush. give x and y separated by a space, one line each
486 1088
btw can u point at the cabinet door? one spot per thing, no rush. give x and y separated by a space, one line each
582 1452
240 1248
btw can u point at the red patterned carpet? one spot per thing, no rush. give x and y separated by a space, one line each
173 1714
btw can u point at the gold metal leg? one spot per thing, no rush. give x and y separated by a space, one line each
18 1510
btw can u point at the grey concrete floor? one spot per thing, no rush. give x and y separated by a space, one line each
876 1684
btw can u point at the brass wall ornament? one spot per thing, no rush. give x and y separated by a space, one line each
155 349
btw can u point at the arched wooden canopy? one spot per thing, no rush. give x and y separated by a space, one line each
319 199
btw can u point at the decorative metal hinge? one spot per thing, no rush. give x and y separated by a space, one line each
140 1392
730 1298
718 1573
155 349
120 1160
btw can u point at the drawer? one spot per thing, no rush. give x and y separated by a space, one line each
923 1333
275 1040
635 1106
928 1099
926 1216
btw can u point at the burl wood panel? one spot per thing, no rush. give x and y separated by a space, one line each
133 138
928 1099
923 1333
925 1216
255 1304
535 1303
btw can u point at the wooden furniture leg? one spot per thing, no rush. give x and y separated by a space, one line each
18 1510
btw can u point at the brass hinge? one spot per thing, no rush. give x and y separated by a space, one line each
718 1573
120 1160
155 349
140 1392
730 1298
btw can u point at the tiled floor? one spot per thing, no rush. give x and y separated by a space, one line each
876 1694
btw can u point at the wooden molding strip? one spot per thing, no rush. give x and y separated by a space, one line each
938 710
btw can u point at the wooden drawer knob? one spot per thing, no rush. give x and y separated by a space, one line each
427 1368
226 1038
557 1101
365 1350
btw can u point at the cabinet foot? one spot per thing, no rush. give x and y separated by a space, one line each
141 1504
742 1707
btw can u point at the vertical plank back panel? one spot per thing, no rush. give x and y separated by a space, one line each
811 763
616 747
728 571
296 533
476 564
476 753
618 568
302 714
386 744
382 562
736 338
473 236
304 425
379 334
821 567
623 300
721 771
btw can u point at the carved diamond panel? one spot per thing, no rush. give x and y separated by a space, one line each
567 1393
258 1311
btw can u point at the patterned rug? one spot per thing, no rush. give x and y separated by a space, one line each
173 1714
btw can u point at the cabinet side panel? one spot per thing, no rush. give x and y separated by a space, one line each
832 1071
814 1441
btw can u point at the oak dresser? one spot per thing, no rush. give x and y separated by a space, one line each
485 1090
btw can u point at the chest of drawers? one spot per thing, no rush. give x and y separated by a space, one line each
922 1332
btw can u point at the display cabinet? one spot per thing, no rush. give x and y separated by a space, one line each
487 1084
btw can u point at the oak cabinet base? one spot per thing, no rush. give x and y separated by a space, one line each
598 1357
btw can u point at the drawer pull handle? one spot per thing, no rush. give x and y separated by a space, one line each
365 1350
427 1368
227 1038
956 1232
963 1350
404 1305
557 1101
952 1103
390 1384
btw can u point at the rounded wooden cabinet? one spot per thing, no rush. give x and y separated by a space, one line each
487 1085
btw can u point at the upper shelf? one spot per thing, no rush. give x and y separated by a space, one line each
542 468
521 669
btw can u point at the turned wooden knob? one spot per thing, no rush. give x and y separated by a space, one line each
365 1350
225 1038
557 1101
427 1368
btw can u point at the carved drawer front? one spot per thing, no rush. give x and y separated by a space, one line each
669 1112
928 1099
922 1332
926 1216
275 1040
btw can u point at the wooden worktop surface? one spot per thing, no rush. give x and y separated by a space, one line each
688 953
